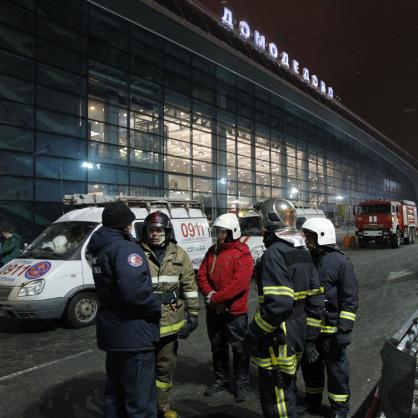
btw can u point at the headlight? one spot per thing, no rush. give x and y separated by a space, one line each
33 288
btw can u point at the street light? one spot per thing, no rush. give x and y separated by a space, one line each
87 164
339 197
293 191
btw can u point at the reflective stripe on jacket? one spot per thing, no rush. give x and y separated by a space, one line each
175 273
286 276
341 290
291 305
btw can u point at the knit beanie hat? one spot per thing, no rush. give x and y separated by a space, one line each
117 215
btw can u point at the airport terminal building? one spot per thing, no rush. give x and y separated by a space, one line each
162 98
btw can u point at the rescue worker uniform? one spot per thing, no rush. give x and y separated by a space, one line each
173 276
127 323
225 275
290 309
341 289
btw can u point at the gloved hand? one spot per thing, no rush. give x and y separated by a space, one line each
190 325
169 298
277 376
311 352
342 339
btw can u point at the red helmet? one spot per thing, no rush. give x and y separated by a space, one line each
159 219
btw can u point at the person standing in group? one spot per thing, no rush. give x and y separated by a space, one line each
341 294
224 279
128 318
173 278
10 246
290 309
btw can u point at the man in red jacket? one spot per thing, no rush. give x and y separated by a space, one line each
224 279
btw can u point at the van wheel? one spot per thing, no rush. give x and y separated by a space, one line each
82 310
396 239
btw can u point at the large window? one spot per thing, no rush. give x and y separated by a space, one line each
92 103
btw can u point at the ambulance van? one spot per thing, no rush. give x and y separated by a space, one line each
52 278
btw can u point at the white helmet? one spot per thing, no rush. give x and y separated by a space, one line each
228 221
323 228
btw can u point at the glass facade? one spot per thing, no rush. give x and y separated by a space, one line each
78 84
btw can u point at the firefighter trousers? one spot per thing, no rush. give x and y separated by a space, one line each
165 364
287 343
277 402
225 329
334 360
130 385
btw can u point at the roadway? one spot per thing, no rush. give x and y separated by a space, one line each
47 370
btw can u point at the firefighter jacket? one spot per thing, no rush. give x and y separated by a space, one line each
129 311
291 303
174 274
341 290
227 269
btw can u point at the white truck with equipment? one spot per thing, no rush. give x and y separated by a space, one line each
252 232
52 278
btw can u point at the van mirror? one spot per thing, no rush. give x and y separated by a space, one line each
355 210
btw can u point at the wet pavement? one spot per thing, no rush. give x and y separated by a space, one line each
47 370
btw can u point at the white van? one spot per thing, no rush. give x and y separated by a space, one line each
252 232
52 279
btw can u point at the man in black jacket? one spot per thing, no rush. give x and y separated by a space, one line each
340 283
128 319
290 310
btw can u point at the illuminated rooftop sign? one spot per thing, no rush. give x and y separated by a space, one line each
281 58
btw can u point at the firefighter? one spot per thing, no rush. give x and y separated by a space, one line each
173 278
290 309
341 294
224 279
128 317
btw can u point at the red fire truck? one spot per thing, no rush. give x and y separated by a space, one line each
386 221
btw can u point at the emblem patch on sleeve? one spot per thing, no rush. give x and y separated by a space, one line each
135 260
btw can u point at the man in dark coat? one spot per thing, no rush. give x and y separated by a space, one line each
128 318
289 315
341 294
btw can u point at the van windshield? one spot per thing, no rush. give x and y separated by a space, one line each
251 226
374 209
60 241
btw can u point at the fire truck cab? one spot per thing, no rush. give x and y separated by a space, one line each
386 221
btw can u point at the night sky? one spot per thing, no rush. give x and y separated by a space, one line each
366 50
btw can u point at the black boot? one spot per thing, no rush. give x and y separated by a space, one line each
338 415
240 393
313 403
216 388
221 368
241 375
